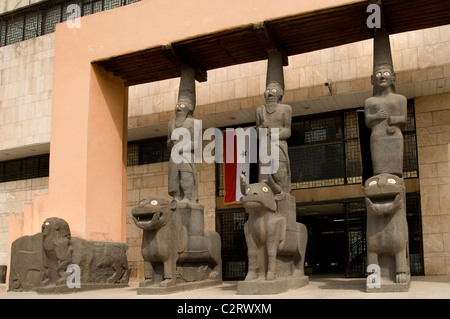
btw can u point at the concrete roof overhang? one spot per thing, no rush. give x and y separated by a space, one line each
295 34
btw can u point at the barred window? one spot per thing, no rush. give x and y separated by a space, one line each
149 151
24 168
40 19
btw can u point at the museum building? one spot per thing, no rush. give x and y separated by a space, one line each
62 155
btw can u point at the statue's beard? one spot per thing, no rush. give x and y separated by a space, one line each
179 119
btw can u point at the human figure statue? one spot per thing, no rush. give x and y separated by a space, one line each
274 114
385 112
183 176
387 228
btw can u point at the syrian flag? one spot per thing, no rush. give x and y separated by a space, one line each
239 153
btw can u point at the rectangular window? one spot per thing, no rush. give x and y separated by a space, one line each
39 19
24 168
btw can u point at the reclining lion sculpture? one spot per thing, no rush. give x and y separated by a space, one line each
40 262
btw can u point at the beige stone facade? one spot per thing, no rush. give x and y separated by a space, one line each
433 144
421 60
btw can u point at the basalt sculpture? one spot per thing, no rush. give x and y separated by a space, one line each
42 262
387 229
276 243
179 254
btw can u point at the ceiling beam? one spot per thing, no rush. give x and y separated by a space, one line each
269 41
172 54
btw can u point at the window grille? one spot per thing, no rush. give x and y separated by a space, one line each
230 226
24 168
36 20
149 151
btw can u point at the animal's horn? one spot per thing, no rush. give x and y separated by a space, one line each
276 189
243 184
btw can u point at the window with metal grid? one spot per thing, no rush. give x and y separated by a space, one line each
36 20
24 168
230 226
149 151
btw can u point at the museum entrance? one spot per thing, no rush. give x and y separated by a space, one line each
336 237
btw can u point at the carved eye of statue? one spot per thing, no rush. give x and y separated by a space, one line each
182 105
373 183
378 74
391 181
154 202
386 73
247 190
47 223
274 90
265 189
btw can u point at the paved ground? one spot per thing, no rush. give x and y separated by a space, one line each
320 287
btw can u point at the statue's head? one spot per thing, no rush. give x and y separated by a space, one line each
384 193
383 77
56 227
153 212
184 108
260 196
274 93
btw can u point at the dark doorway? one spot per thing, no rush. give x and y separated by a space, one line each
327 240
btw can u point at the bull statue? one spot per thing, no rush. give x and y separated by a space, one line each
269 239
176 251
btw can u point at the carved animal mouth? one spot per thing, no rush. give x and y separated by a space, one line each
384 202
147 219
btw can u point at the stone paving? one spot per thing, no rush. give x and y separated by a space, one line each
320 287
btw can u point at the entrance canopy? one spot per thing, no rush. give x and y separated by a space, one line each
296 34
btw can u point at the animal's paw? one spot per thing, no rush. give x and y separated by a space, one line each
251 275
271 275
167 283
214 275
402 278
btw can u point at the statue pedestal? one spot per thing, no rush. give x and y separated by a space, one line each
270 287
185 286
390 287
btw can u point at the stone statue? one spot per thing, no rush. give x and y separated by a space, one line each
385 112
47 256
276 243
274 114
183 183
27 269
387 228
175 251
266 233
